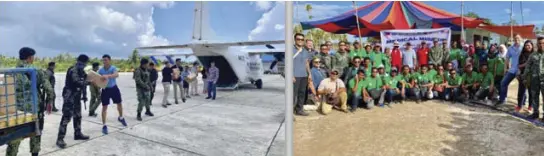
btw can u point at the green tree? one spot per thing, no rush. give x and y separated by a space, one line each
474 15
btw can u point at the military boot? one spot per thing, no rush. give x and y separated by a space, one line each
80 136
61 143
139 117
148 113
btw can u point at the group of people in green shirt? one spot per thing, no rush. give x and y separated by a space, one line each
370 80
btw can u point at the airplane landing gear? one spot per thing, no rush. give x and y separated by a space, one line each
259 84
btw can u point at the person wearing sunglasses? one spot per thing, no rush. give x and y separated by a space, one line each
301 74
324 57
318 74
351 71
452 88
333 91
375 89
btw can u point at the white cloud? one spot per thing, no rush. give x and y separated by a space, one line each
93 28
268 25
263 5
279 26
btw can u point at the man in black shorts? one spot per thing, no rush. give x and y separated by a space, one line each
110 92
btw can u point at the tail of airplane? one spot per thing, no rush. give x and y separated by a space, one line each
201 23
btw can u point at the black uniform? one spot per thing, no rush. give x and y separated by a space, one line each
52 81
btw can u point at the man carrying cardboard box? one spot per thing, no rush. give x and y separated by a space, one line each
26 58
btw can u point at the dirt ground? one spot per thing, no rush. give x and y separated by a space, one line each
431 128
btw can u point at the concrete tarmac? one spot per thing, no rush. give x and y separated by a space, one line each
247 121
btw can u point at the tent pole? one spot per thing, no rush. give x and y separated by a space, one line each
462 21
357 19
511 20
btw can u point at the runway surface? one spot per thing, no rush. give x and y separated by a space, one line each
247 121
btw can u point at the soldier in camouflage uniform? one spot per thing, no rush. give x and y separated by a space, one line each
75 90
143 88
325 58
437 53
533 77
46 95
341 59
95 94
51 75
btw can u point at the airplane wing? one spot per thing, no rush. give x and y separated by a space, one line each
264 51
245 43
216 44
166 47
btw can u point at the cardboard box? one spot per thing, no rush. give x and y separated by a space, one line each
96 79
176 73
10 102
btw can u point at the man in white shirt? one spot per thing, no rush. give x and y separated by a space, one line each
194 83
409 56
333 88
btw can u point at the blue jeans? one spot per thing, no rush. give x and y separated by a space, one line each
504 89
355 101
390 93
413 93
211 90
452 94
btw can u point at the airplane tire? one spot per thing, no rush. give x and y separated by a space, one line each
259 84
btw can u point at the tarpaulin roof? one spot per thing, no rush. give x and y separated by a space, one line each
385 15
526 31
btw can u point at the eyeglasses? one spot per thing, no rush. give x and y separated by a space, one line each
300 39
357 61
317 62
334 73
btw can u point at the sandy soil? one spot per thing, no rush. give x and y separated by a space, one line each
426 129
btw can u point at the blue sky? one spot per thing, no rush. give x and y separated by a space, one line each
97 28
498 12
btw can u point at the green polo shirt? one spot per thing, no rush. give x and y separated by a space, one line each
392 82
432 72
405 79
359 52
373 83
351 84
377 58
420 77
471 79
497 62
487 80
438 79
454 81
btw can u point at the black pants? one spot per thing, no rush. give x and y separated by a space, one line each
299 92
153 90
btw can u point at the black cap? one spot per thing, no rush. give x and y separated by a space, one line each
51 64
96 64
83 58
26 52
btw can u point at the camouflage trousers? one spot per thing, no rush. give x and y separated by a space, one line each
144 99
70 109
535 88
35 141
94 103
153 92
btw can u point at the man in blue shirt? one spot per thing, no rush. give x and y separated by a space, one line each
301 68
110 92
512 61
